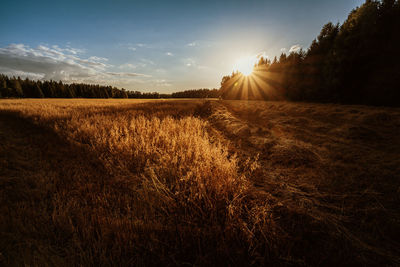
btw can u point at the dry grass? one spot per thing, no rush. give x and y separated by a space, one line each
149 186
333 171
122 182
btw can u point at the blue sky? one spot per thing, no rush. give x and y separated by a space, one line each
154 45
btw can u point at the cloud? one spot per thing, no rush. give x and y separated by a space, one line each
189 62
131 46
90 62
295 48
127 66
162 82
131 74
145 62
262 54
55 63
98 58
16 73
192 44
169 54
50 62
69 49
142 63
193 63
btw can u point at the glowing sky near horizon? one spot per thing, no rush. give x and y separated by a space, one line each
150 45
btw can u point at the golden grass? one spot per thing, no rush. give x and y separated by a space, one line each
154 182
168 188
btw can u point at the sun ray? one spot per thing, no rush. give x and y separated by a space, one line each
255 88
245 89
239 87
268 89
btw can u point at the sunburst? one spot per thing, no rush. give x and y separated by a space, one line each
245 65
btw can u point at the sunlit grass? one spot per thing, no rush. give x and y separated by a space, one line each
168 187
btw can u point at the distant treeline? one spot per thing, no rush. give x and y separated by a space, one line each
354 63
26 88
199 93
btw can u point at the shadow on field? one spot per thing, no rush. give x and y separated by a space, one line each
40 174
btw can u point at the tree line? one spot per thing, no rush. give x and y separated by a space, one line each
357 62
16 87
197 93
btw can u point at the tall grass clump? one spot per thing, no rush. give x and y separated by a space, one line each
184 181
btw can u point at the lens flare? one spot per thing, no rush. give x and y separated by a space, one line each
245 65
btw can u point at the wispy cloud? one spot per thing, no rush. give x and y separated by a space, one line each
162 83
131 74
295 48
192 44
45 62
189 62
127 66
169 54
94 58
132 46
145 62
262 54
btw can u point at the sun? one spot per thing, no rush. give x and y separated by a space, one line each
245 65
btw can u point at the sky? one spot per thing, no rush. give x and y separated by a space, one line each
163 46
